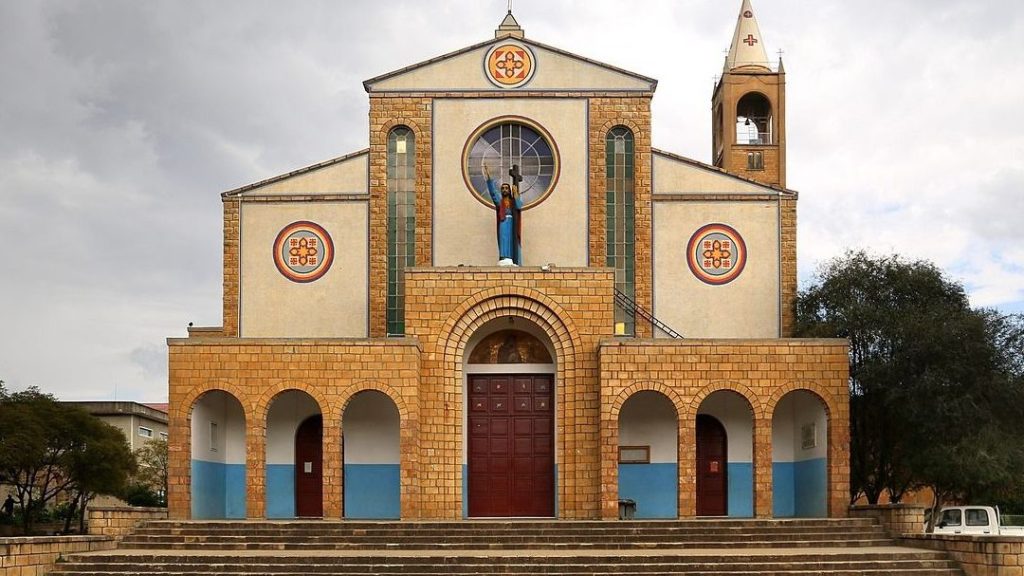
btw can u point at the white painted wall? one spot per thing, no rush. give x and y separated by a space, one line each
649 419
554 230
792 412
733 411
222 408
336 305
371 426
747 307
287 411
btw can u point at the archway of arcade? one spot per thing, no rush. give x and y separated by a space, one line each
372 455
294 458
800 456
649 454
509 468
724 451
217 457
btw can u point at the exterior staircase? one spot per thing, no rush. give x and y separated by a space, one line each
832 547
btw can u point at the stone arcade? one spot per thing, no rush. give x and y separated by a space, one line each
375 362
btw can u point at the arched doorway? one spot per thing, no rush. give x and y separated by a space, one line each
371 454
649 454
309 468
294 459
800 456
727 438
712 474
510 393
218 457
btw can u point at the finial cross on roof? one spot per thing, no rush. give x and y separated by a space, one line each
509 6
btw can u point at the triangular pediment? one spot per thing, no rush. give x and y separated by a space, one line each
532 67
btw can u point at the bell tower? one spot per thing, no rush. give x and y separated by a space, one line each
749 108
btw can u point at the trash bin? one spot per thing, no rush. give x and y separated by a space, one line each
627 509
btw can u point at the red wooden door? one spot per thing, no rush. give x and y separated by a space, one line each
309 468
511 446
712 478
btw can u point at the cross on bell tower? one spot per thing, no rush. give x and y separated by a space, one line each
749 108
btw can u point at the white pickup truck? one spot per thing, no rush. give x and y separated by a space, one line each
974 520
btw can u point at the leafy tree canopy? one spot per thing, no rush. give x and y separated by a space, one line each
937 388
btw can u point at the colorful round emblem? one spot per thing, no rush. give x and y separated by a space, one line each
303 251
716 254
510 65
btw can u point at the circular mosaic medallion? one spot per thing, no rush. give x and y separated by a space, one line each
748 14
716 254
303 251
509 65
507 145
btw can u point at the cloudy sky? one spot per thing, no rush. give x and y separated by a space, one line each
121 121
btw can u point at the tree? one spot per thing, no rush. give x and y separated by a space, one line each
934 400
102 466
153 466
47 448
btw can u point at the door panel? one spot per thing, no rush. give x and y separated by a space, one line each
712 467
511 446
309 476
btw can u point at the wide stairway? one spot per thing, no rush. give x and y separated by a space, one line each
695 547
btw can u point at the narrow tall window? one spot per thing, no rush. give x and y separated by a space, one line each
620 219
401 221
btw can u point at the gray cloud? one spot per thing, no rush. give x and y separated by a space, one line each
122 121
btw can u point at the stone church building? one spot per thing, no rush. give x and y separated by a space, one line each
376 362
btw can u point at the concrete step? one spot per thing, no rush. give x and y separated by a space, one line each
895 561
827 547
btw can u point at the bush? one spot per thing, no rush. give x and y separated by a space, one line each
141 495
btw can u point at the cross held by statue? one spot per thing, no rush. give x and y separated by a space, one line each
515 175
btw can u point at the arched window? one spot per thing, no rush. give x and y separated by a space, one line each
620 219
754 120
401 221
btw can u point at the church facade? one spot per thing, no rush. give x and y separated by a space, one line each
378 359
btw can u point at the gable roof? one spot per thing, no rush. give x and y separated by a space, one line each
293 173
368 85
721 171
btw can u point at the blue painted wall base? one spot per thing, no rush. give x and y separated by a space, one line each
799 489
372 491
280 491
218 490
654 488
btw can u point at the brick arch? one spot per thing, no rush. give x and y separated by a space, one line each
648 386
510 297
390 125
624 122
263 403
530 305
371 385
824 396
753 401
225 386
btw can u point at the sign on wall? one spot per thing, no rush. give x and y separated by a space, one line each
716 254
303 251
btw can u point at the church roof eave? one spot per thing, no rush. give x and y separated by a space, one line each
723 172
368 84
311 168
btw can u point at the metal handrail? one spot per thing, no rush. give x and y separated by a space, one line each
631 307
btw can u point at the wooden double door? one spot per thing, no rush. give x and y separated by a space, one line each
511 445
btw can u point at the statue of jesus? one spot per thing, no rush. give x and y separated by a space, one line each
508 211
